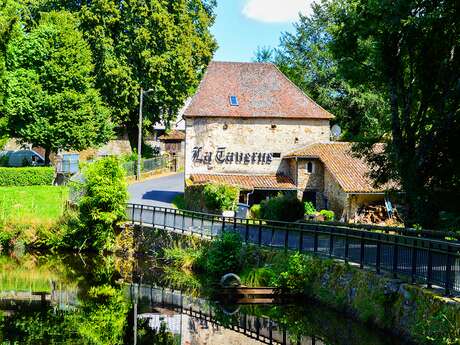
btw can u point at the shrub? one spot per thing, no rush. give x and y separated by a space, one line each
255 211
328 215
211 197
221 197
103 203
284 207
223 255
301 272
30 176
309 208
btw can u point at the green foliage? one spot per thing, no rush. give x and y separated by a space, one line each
50 97
309 208
211 197
284 207
179 202
103 205
29 176
223 255
161 45
301 272
328 215
183 258
255 211
221 197
148 336
257 276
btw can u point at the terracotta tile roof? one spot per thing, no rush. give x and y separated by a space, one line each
262 91
173 135
349 171
247 181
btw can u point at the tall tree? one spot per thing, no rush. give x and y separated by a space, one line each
410 50
8 20
50 99
306 58
154 44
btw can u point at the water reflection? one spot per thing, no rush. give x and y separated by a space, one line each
73 299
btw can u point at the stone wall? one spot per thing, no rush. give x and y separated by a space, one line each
337 198
254 135
413 312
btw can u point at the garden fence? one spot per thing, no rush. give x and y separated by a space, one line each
147 165
423 260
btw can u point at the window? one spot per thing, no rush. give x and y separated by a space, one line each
234 101
310 167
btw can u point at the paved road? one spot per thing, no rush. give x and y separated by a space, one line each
158 191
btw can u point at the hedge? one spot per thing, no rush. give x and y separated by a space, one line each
27 176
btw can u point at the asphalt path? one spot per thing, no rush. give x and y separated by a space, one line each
158 191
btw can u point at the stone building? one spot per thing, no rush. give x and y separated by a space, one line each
249 125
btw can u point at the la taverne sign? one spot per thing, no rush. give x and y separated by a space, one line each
222 156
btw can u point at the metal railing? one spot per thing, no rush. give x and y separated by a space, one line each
147 165
423 260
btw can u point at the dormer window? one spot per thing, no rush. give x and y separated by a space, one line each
233 101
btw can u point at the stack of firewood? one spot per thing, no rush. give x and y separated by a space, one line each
376 214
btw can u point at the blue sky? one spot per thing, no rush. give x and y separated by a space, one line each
243 25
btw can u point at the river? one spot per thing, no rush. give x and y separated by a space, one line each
108 300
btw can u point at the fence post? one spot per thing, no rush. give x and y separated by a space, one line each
246 236
192 220
286 239
300 241
153 215
377 257
395 257
132 217
448 271
430 266
183 221
260 233
346 245
414 261
223 225
202 225
140 216
315 241
174 219
361 252
164 218
331 242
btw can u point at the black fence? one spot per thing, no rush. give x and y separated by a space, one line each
423 260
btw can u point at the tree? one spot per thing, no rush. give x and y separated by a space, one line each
50 97
156 44
306 58
8 20
263 54
409 51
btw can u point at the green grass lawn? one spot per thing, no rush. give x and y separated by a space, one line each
32 204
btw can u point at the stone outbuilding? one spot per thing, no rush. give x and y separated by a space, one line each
331 177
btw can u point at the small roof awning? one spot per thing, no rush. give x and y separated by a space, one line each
247 182
173 135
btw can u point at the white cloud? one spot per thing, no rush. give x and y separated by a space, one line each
276 11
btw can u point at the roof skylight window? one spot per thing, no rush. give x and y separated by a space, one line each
234 101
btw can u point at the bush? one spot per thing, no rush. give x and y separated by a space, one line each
103 204
211 198
223 255
221 197
284 207
328 215
255 211
30 176
309 208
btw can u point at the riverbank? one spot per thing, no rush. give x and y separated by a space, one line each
395 306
